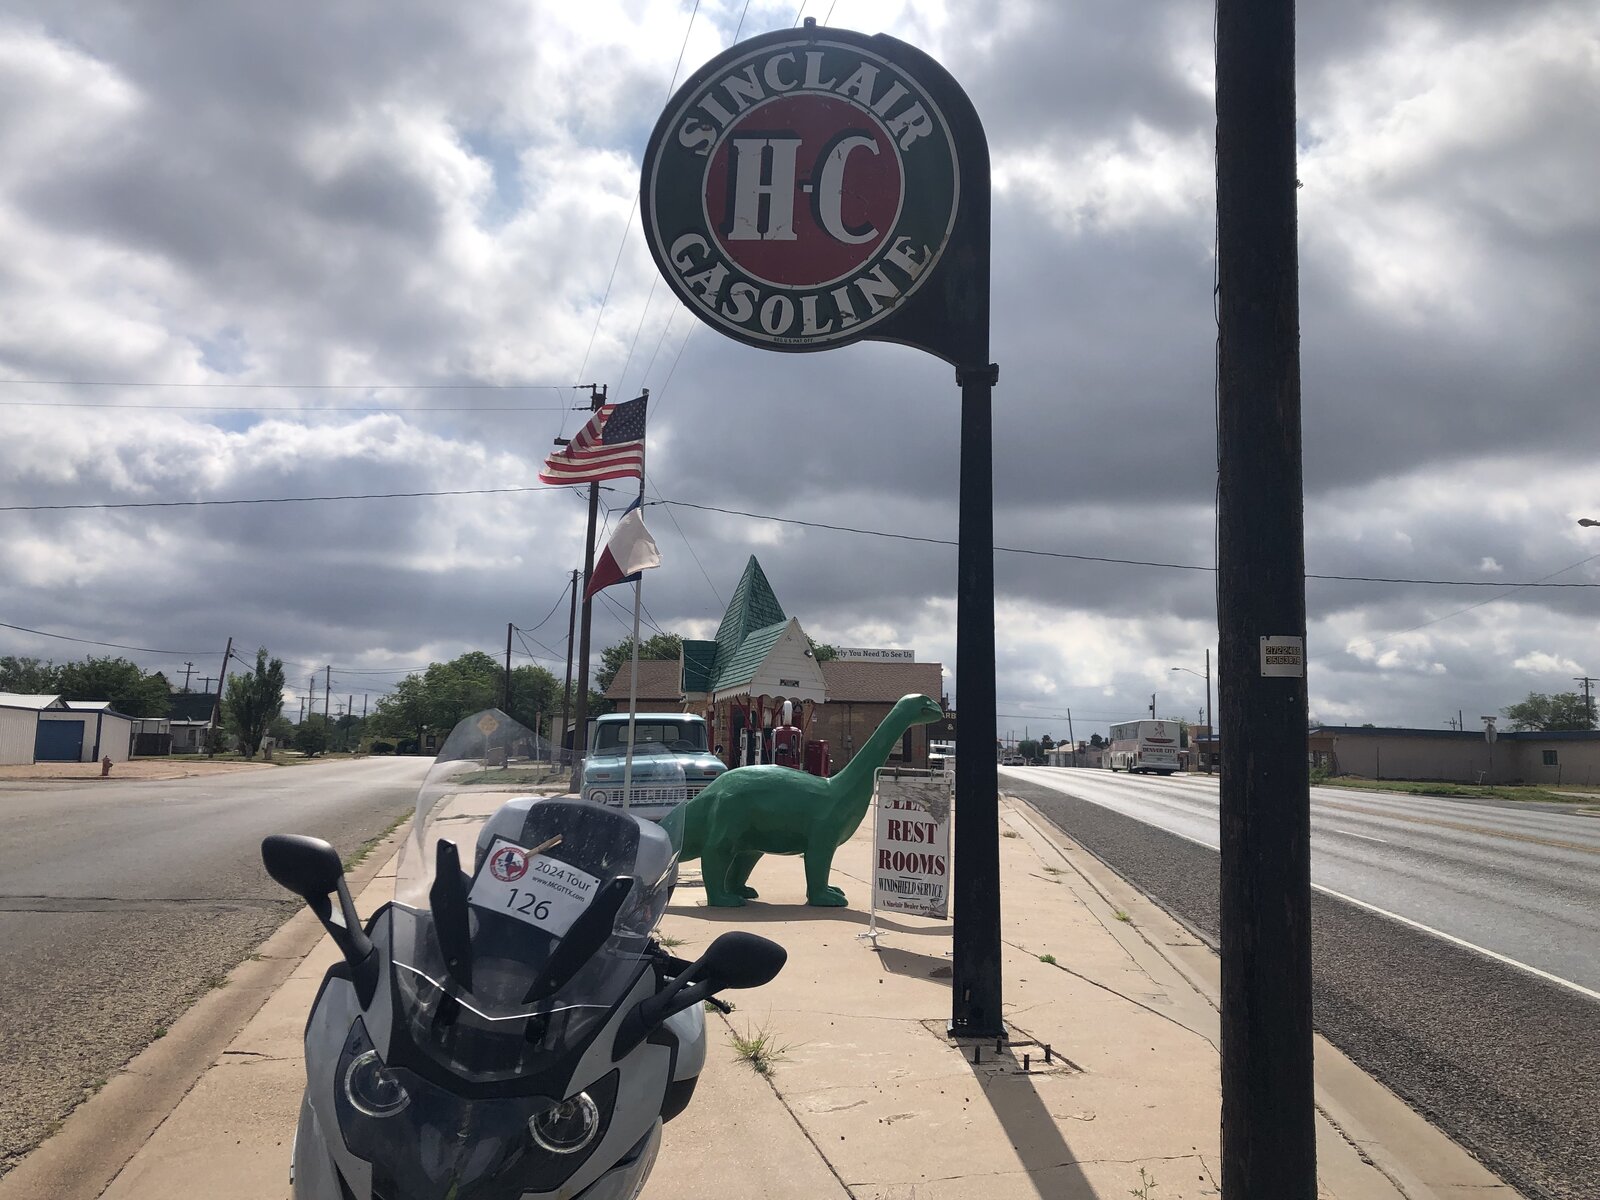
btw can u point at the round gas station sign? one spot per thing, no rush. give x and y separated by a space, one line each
799 189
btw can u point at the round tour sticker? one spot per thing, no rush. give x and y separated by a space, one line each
509 864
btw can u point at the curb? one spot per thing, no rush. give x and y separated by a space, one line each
99 1137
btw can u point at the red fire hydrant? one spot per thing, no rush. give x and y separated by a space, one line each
105 766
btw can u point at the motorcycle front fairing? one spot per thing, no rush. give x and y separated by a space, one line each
481 1067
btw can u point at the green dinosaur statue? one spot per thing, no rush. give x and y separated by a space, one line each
751 811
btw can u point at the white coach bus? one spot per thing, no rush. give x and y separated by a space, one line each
1144 746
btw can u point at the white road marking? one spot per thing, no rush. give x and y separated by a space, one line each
1464 944
1394 916
1362 836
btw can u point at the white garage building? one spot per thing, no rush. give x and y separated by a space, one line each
50 729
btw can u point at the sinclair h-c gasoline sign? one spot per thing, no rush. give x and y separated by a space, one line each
803 188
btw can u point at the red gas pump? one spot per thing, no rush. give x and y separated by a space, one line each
817 759
786 740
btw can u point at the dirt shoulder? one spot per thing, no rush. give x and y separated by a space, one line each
139 768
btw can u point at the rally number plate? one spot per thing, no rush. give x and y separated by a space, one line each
546 893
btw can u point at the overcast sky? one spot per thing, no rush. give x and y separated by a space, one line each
201 205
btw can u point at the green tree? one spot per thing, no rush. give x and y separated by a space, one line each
822 651
613 658
29 676
535 696
311 736
440 696
1566 710
253 701
128 688
1028 748
1096 742
1047 742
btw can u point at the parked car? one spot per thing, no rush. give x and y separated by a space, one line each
672 761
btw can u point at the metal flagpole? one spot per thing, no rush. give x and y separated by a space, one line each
633 679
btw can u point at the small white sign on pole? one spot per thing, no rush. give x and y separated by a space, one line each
1283 656
911 845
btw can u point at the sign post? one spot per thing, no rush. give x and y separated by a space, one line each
814 187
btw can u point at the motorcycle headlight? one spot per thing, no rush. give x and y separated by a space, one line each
372 1089
568 1127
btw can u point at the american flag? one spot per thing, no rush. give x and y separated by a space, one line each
610 446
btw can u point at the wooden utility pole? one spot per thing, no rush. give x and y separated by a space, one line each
1588 681
327 692
216 702
311 695
1268 1132
506 706
580 732
560 738
188 669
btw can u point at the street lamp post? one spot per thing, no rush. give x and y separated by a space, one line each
1210 728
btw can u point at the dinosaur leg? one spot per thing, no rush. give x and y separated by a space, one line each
739 874
716 863
819 862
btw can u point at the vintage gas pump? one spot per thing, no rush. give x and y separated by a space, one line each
786 751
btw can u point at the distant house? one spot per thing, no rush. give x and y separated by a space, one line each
35 728
188 719
1548 759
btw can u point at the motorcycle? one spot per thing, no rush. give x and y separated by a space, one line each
512 1031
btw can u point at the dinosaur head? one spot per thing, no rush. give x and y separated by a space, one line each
918 710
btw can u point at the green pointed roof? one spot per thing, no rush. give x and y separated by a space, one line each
742 667
753 607
699 665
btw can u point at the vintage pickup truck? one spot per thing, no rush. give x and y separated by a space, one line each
671 761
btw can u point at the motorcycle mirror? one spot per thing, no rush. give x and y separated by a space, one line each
311 869
735 960
307 866
740 960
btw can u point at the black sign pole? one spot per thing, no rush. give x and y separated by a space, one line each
1268 1130
975 968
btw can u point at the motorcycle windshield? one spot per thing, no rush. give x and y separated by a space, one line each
519 920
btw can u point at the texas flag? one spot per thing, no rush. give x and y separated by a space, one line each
630 550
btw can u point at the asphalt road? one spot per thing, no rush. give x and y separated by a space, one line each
1504 1060
121 902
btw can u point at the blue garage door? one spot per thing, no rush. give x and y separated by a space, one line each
58 741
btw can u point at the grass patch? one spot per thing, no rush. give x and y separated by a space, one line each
1470 791
371 843
668 942
518 776
1122 916
760 1049
1048 958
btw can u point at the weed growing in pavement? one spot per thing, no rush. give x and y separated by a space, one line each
214 982
1122 916
368 845
1048 958
1052 870
760 1049
1146 1188
161 1031
1011 833
667 941
728 1004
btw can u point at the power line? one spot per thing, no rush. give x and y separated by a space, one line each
301 387
91 642
111 405
268 500
1127 562
565 589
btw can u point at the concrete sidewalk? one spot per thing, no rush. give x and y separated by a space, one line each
866 1097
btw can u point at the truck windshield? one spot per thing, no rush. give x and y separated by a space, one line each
612 736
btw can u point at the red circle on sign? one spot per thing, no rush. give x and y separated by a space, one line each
803 190
508 864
